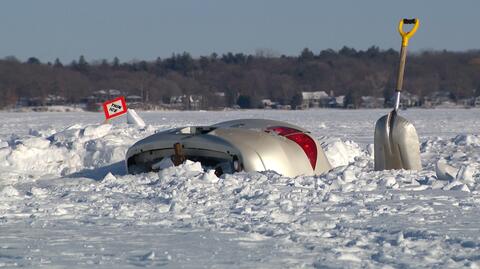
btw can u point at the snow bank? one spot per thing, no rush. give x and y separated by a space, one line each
71 150
342 152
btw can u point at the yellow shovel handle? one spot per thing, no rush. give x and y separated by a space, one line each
407 35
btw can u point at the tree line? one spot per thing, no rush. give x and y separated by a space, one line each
245 78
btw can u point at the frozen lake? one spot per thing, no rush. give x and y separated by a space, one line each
65 200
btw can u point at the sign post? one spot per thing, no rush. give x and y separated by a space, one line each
114 108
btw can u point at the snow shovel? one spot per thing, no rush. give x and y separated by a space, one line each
396 143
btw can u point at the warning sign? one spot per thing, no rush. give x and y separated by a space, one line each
115 107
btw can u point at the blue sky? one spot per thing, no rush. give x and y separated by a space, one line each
145 30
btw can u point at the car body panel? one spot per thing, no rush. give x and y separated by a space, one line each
245 141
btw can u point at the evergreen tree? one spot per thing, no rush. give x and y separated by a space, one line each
116 63
57 63
33 60
306 55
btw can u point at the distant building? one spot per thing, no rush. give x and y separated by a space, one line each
32 101
315 99
438 98
54 100
186 102
94 102
102 96
135 101
267 103
372 102
336 102
477 102
407 99
50 100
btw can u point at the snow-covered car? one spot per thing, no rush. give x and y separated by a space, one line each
232 146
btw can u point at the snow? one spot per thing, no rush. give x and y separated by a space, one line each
66 201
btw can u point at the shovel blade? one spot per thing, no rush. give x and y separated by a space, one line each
396 144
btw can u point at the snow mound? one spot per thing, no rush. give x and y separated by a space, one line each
341 153
97 131
71 150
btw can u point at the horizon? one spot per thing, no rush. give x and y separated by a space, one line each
99 60
146 30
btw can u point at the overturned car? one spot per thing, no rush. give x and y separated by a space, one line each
232 146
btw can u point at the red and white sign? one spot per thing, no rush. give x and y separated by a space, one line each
115 107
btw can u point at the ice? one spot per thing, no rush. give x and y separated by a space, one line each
66 201
36 142
187 169
97 131
466 174
149 256
348 175
342 152
8 192
463 139
134 118
210 176
349 257
109 178
3 144
445 171
163 164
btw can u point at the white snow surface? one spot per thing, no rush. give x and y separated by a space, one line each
66 201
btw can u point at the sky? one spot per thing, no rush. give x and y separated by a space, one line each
147 29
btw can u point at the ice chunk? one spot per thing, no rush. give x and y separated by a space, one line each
445 171
109 178
4 152
134 118
464 139
66 135
39 192
456 186
148 256
342 152
164 163
349 257
3 144
188 168
97 131
349 175
193 166
210 176
9 191
42 133
388 181
36 142
465 174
